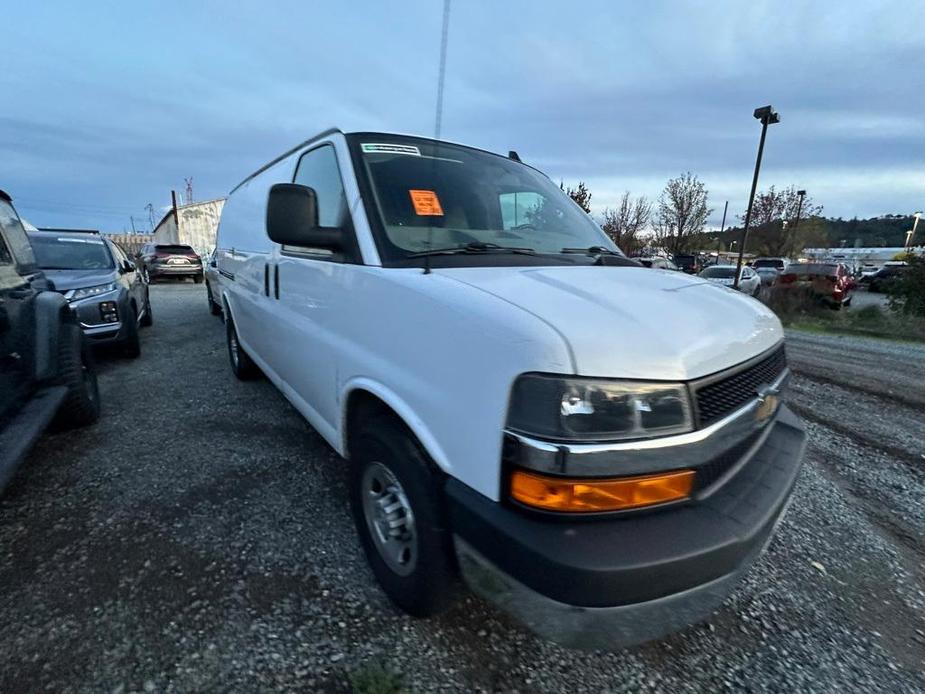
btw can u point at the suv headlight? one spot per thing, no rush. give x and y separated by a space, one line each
86 292
583 409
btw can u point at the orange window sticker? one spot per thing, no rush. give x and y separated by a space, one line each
426 203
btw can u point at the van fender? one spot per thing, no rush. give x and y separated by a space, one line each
401 408
51 312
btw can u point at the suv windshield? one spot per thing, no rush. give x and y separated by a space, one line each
433 195
812 269
70 252
767 263
720 272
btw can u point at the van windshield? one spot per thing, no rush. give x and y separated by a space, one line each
433 195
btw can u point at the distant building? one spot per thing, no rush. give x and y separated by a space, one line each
130 243
193 225
859 257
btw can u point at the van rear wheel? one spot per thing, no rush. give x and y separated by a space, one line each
241 364
395 495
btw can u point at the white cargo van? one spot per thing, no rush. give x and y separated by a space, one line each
597 447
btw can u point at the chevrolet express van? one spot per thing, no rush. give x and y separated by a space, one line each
520 405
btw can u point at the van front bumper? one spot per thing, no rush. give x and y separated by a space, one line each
610 583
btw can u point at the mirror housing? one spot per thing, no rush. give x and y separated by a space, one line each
127 266
292 219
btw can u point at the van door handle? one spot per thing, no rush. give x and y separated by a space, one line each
266 279
276 280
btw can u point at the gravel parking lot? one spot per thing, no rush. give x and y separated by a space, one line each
198 538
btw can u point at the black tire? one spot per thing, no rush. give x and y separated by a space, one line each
241 364
197 279
131 343
147 320
429 583
77 373
214 308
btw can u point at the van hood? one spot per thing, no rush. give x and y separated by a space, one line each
64 280
629 322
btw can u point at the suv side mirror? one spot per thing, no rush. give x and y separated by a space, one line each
292 219
127 266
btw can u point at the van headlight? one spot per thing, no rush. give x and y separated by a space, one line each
86 292
570 409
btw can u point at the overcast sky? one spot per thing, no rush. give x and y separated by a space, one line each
106 107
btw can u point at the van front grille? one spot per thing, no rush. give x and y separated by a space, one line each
723 395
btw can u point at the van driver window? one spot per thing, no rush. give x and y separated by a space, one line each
318 170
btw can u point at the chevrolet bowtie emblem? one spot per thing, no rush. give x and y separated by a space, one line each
767 402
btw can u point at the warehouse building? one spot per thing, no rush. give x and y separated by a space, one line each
194 224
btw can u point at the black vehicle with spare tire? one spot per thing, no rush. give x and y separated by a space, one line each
46 374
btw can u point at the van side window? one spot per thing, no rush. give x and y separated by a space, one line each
318 169
519 208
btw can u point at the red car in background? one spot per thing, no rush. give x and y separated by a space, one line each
830 281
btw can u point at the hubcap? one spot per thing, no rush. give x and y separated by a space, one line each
389 518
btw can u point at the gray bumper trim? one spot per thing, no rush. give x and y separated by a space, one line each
600 628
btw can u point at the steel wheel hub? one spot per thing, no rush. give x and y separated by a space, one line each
389 518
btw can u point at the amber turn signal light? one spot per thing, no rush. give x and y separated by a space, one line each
597 495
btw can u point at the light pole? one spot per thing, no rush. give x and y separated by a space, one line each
911 233
767 115
796 222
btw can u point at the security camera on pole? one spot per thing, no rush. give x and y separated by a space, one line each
767 115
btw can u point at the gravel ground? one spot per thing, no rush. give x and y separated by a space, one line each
198 538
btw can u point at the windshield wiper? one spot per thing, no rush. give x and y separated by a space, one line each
599 253
591 250
476 248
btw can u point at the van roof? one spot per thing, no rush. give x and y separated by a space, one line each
331 131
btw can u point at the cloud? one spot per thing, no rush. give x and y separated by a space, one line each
108 108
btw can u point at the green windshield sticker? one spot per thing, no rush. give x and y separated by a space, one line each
369 148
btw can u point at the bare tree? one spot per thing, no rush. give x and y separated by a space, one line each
773 215
681 212
625 223
581 195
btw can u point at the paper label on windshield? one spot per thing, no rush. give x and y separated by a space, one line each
372 148
426 203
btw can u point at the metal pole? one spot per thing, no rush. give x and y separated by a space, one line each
442 70
751 199
719 241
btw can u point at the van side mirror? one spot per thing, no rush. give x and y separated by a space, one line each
292 219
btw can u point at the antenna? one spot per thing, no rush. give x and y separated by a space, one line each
438 117
442 71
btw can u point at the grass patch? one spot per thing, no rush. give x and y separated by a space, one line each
376 678
804 311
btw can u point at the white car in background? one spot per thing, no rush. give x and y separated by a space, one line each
749 280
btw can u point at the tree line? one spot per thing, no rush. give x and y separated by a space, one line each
783 222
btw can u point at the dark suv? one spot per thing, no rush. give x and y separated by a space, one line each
45 372
99 282
691 264
169 260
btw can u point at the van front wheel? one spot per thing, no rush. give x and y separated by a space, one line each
395 496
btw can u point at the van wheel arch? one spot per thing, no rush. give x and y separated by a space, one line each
378 442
